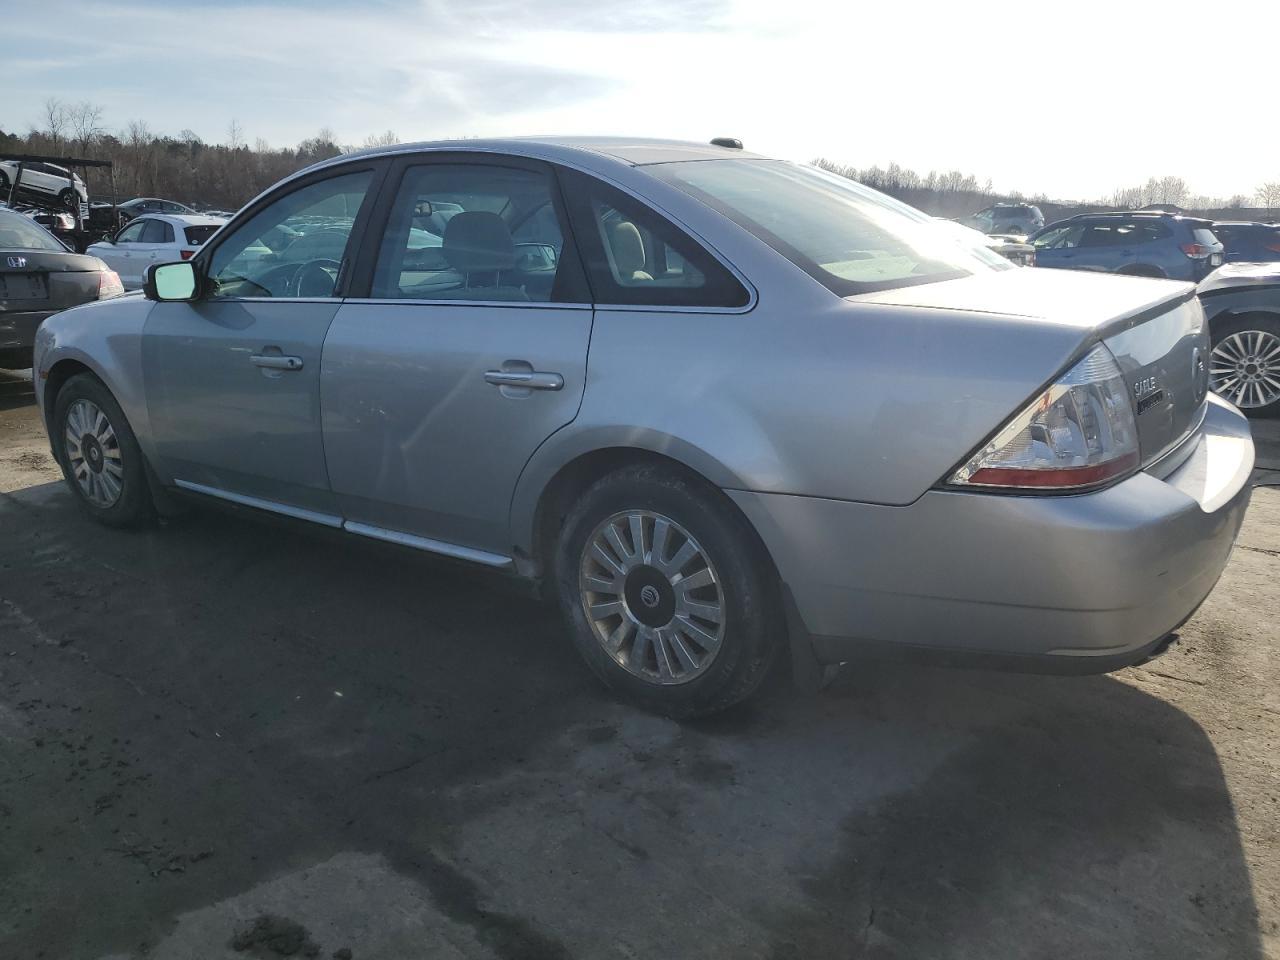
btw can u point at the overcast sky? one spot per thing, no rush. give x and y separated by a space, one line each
1072 99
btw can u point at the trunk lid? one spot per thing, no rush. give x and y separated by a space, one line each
1155 329
44 280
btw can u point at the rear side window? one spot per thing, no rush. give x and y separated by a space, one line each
157 231
1204 236
635 256
198 235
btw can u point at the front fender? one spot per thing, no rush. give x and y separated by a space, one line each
105 337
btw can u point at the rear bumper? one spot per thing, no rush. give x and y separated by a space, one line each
1076 584
18 328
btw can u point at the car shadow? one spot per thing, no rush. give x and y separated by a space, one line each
16 389
263 698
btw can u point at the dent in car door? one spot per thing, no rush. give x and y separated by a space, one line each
436 394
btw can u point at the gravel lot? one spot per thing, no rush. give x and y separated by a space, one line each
233 738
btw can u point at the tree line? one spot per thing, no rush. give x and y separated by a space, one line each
220 176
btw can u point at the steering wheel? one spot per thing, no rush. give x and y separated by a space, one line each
314 275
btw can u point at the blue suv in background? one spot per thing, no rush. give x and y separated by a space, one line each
1137 243
1249 242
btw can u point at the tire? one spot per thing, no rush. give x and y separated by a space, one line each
69 199
1244 366
4 185
670 656
115 496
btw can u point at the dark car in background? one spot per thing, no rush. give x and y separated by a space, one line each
38 277
1137 243
1242 305
1246 242
139 206
1022 219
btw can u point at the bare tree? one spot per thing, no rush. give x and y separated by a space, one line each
55 120
1268 195
235 135
85 122
388 139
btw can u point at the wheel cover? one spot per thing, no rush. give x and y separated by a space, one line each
652 596
93 452
1245 368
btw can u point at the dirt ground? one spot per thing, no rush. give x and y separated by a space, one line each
226 737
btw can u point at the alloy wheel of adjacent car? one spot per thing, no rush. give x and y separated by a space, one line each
1245 366
670 598
68 198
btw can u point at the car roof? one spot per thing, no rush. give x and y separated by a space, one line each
629 150
182 219
1246 223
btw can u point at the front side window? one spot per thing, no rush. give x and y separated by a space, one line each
294 246
1060 238
132 233
475 232
848 237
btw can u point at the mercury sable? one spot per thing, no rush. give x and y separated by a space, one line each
729 410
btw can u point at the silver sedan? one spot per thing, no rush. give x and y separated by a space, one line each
729 410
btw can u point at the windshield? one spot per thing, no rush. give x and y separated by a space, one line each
850 238
22 233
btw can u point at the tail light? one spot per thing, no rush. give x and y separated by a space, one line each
1274 247
1196 251
109 284
187 254
1078 434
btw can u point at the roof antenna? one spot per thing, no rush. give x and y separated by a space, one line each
731 143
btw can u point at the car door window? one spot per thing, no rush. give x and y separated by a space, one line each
635 256
1060 238
480 232
293 247
157 231
132 233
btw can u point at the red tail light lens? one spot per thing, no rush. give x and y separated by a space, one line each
109 285
188 254
1274 247
1196 251
1079 434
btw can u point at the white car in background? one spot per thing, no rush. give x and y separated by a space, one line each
43 179
144 241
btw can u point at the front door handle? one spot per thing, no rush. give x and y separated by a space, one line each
276 362
530 379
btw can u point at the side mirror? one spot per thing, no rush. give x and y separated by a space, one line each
177 282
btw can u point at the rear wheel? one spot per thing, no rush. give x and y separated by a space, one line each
68 198
1245 364
99 455
667 593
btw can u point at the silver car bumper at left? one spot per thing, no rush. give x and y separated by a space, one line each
1055 584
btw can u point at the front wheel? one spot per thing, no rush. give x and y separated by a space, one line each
99 455
69 199
667 593
1245 364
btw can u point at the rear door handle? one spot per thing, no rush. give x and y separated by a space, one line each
276 362
532 379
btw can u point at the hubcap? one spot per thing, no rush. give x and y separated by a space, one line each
1246 368
94 453
652 597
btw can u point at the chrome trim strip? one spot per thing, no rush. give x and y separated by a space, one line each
271 506
522 304
427 544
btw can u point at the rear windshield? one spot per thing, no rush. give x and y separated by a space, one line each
1205 236
22 233
848 237
198 235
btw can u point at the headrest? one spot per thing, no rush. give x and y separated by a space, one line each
476 241
627 247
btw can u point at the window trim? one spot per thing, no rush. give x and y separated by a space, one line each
377 166
360 286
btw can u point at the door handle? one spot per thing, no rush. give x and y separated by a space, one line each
531 379
276 362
